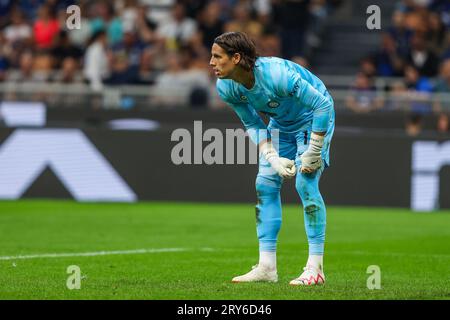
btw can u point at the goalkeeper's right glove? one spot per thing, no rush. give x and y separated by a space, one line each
312 157
283 166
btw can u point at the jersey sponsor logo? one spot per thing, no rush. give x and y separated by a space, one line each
273 104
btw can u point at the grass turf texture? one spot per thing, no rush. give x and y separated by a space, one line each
411 249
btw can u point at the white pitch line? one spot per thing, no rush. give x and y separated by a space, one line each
99 253
397 254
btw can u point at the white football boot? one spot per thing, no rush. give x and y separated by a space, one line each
258 273
310 277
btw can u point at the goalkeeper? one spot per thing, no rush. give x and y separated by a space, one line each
296 142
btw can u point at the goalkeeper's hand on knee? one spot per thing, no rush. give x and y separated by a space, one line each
312 157
283 166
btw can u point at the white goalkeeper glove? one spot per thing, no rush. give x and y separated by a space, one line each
312 157
283 166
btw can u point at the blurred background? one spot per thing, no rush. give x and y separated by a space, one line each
136 70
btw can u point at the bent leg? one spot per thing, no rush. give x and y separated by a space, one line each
268 210
314 209
268 224
268 185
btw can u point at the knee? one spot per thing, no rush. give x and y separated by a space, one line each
300 185
304 189
310 195
267 185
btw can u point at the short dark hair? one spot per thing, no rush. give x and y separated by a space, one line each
239 42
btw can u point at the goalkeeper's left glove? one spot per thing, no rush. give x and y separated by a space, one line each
312 157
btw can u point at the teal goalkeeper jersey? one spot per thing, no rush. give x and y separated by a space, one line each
292 96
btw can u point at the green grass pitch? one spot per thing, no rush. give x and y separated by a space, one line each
215 243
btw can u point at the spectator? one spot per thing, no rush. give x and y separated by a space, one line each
442 6
25 71
43 66
199 55
443 125
161 10
443 83
417 19
437 34
442 88
25 75
63 48
69 75
106 20
33 68
18 32
318 15
243 22
131 47
368 67
446 54
419 90
146 27
363 97
169 79
69 72
423 59
179 29
30 8
210 24
301 61
5 11
154 45
194 59
269 45
193 8
125 60
414 81
398 98
263 9
146 67
400 33
292 16
179 81
129 15
414 125
45 28
388 61
4 62
96 61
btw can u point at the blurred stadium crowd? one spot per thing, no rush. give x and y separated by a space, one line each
145 41
166 44
415 51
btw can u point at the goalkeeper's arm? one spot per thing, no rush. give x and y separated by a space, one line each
322 110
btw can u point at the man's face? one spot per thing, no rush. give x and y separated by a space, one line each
221 63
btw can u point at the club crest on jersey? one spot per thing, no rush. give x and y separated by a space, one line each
273 104
243 98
